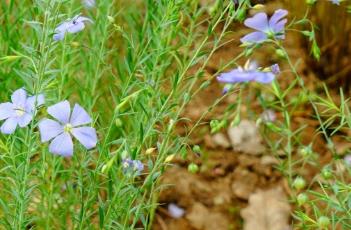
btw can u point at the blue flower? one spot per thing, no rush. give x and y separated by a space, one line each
66 125
249 73
89 3
71 26
132 166
20 112
272 28
336 2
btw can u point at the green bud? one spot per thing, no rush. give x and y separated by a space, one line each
118 123
327 173
196 149
193 168
302 199
311 2
299 183
280 53
323 222
306 151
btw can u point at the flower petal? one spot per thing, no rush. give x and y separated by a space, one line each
59 36
9 126
75 28
61 111
264 77
258 22
86 136
254 37
25 119
34 101
82 19
79 116
6 110
62 145
19 97
235 76
49 129
278 15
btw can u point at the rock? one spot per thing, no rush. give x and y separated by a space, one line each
244 183
220 140
201 218
245 138
269 160
267 210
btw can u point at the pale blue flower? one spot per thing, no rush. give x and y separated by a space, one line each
272 28
336 2
66 125
249 73
132 166
20 111
72 26
89 3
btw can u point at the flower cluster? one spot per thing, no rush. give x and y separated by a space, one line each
21 110
132 166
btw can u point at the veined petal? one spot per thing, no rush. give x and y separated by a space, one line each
279 27
62 145
75 28
235 76
86 136
19 98
79 116
49 129
61 111
33 101
264 77
9 126
278 15
258 22
25 119
6 110
254 37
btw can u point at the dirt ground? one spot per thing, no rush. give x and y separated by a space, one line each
223 193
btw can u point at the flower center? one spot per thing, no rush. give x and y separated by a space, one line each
20 112
68 128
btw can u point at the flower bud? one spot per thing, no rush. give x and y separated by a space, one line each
193 168
258 7
169 158
323 222
327 173
196 149
150 151
302 199
118 123
299 183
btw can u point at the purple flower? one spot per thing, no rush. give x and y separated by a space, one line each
274 27
71 26
275 69
175 211
20 112
132 166
249 73
65 125
89 3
